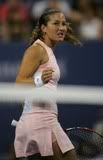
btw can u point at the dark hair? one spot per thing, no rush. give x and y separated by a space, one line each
44 18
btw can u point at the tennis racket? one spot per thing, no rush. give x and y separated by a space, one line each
87 142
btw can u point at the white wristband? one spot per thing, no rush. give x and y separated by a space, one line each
38 79
14 123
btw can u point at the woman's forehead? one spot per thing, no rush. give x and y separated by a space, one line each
57 16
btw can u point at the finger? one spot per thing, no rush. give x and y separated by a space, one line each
48 70
47 80
47 73
46 77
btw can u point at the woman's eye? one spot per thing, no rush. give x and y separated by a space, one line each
56 23
64 24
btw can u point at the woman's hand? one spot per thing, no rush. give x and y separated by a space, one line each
47 75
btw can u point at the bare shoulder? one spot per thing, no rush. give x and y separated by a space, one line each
35 51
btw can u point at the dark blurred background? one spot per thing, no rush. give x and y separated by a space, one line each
79 65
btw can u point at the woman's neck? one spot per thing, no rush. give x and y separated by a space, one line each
49 43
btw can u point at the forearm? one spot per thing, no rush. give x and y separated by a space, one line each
25 80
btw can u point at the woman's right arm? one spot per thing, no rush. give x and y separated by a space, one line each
30 63
32 59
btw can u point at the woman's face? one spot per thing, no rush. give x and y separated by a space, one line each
56 28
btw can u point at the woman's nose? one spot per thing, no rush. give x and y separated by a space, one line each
61 27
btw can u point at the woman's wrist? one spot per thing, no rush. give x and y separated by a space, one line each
38 79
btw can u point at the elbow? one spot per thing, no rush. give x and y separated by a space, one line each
18 79
24 80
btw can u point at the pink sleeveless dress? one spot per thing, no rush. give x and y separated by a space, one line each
38 126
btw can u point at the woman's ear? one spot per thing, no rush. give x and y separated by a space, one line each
43 28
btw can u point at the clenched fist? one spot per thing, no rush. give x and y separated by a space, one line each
47 75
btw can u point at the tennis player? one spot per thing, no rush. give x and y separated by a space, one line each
38 131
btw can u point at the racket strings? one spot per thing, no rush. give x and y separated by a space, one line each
87 143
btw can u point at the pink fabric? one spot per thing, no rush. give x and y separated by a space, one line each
34 135
52 63
38 124
52 84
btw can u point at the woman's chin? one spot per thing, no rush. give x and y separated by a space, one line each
60 39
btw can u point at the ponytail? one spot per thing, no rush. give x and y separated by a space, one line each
36 33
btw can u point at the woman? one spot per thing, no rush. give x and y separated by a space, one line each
38 131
